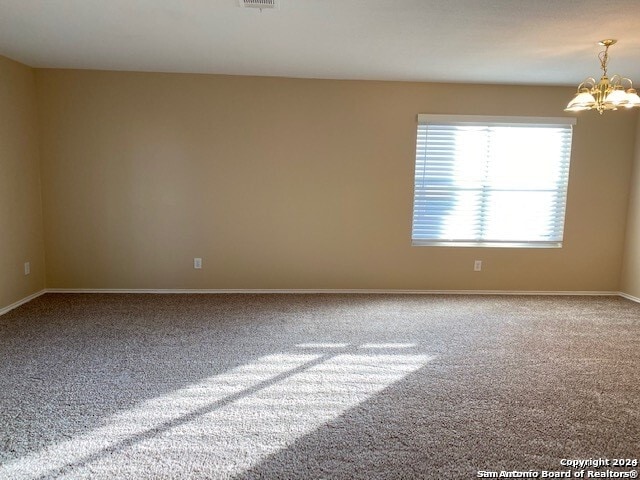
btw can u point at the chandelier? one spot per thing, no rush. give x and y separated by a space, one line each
608 93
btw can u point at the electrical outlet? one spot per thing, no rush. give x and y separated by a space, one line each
477 266
27 268
197 263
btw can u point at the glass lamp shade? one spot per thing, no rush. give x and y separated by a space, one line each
617 97
583 100
633 100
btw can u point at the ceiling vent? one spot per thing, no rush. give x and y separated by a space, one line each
261 4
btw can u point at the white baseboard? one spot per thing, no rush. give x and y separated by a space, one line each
329 291
22 302
314 291
629 297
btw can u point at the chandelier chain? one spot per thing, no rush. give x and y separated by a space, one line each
604 59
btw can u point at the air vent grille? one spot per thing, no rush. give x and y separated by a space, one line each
261 4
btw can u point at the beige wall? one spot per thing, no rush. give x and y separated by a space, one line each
291 183
21 237
630 283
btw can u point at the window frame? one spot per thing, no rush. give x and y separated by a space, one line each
491 121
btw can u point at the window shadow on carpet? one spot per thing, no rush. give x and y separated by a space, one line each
235 418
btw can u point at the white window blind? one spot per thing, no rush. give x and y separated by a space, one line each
491 181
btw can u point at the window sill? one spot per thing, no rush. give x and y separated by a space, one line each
431 243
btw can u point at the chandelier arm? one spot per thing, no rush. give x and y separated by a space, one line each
616 80
625 79
588 83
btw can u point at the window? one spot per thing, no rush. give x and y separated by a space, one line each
491 181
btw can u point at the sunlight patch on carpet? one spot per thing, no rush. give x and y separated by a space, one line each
322 345
227 423
388 345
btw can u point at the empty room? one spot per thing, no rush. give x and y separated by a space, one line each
319 239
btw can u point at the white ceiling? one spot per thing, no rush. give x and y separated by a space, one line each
486 41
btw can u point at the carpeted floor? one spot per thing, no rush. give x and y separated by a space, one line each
315 386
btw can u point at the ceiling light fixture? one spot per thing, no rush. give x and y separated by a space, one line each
608 93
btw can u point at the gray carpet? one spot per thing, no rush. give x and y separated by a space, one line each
315 386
